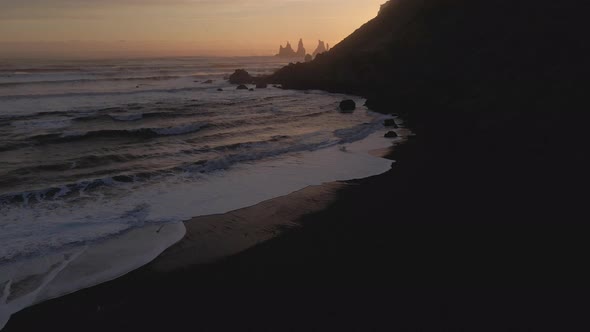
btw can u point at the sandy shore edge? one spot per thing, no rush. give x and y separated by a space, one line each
212 237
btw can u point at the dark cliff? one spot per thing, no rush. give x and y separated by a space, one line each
421 56
494 88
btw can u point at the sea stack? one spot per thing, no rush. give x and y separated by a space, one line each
320 49
300 49
287 51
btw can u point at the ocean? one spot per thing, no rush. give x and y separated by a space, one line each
92 150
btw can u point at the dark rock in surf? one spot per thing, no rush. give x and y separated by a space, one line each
391 134
208 82
219 89
250 89
347 105
390 123
242 87
261 85
241 76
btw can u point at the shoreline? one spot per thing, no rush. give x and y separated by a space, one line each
480 225
376 256
208 239
200 250
248 184
214 237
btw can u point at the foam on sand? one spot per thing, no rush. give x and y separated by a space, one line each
147 220
28 282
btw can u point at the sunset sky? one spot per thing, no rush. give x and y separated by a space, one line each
98 28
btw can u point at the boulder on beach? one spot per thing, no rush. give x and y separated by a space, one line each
242 87
250 89
347 105
390 123
240 76
220 89
261 85
208 82
391 134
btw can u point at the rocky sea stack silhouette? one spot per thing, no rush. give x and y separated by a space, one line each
289 52
300 49
322 48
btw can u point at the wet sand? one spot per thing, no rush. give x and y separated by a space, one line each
210 238
413 248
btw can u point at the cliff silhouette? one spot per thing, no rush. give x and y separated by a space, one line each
495 93
432 60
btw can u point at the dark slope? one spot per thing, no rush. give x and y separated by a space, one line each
496 85
458 56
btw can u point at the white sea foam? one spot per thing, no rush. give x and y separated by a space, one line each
37 279
175 199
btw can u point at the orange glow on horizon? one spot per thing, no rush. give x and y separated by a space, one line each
136 28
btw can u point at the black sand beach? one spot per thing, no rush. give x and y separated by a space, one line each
375 258
481 225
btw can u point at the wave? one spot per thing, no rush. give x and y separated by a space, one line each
358 132
132 117
51 69
232 154
92 80
39 124
126 117
102 94
108 133
13 177
12 117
